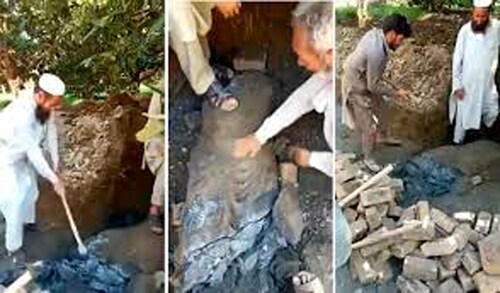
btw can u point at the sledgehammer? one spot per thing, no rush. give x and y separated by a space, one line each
81 247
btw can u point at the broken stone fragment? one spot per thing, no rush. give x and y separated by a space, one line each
373 218
476 180
465 280
471 262
462 234
344 189
443 221
450 286
376 196
445 273
376 248
475 237
358 229
345 174
362 269
427 231
452 262
389 223
489 249
402 248
483 222
350 214
411 285
487 283
395 211
443 246
465 217
407 215
420 268
495 226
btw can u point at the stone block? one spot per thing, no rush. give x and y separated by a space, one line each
471 262
450 286
362 269
420 268
487 283
483 223
452 262
443 221
373 218
445 273
440 247
376 196
358 229
395 211
495 226
350 214
403 248
465 280
406 285
465 217
489 249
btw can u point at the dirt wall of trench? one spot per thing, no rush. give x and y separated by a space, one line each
102 166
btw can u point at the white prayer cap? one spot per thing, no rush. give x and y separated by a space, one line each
482 3
51 84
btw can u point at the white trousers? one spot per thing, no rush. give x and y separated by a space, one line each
193 52
18 196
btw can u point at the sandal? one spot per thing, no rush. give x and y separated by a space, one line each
220 98
156 224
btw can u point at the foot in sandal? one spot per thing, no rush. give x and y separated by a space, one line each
305 282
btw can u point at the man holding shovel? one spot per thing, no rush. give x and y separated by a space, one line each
362 84
27 125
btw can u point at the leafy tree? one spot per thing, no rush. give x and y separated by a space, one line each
99 47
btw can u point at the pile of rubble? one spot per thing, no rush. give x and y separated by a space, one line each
439 253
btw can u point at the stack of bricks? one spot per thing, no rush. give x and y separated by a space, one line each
446 253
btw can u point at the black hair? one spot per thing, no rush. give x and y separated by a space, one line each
397 23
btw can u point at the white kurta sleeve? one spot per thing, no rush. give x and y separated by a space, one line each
36 158
51 140
299 103
322 161
458 57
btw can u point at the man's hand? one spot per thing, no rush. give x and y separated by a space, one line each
247 146
229 9
300 156
59 187
403 94
459 94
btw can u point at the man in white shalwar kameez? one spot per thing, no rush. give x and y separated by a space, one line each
474 96
27 124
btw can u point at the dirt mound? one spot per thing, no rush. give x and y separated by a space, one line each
425 71
101 165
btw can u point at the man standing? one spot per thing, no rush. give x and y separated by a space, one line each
26 123
362 85
475 61
189 22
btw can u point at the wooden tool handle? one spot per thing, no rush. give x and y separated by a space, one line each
365 185
71 220
20 283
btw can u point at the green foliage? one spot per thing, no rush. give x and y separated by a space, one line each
98 47
344 14
381 11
